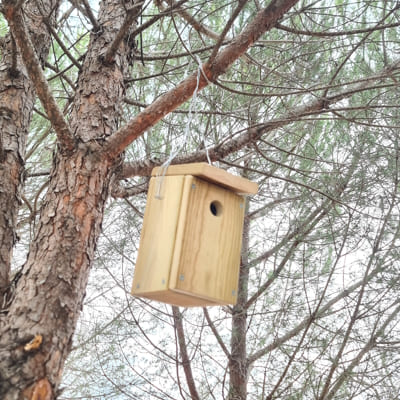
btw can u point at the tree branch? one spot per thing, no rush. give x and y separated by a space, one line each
356 361
216 334
335 34
90 15
131 14
299 234
62 45
322 312
128 21
263 21
241 4
218 152
184 355
32 64
154 19
192 21
355 313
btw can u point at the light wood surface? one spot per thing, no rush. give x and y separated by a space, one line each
179 299
211 174
190 244
157 239
206 262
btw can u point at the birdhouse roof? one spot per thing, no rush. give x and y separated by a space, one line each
212 174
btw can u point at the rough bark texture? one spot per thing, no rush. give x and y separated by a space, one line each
238 365
101 87
51 289
16 105
35 335
19 31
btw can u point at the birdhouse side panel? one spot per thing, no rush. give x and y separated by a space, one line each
158 236
209 257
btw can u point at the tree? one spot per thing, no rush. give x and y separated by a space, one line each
315 124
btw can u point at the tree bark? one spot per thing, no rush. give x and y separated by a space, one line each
16 105
51 289
238 365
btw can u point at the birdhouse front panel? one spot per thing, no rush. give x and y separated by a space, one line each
206 264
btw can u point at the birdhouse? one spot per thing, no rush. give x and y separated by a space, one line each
189 252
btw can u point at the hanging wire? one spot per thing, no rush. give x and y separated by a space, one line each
163 168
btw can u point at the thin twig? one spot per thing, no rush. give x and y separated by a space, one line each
153 20
228 26
90 15
192 21
187 369
132 13
216 334
62 45
337 33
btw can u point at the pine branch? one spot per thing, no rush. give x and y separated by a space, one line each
184 354
131 14
192 21
32 64
154 19
263 21
216 334
341 379
321 313
253 133
236 12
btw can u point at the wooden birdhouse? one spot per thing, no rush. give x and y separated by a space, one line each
189 252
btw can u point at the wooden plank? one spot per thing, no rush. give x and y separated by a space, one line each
180 231
178 299
158 234
207 263
211 174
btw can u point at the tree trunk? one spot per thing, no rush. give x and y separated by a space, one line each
36 338
238 365
16 105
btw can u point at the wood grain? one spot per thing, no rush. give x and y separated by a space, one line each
157 239
179 299
206 262
212 174
190 244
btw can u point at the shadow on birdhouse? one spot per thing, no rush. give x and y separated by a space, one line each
189 252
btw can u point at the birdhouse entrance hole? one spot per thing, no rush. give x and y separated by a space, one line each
216 208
